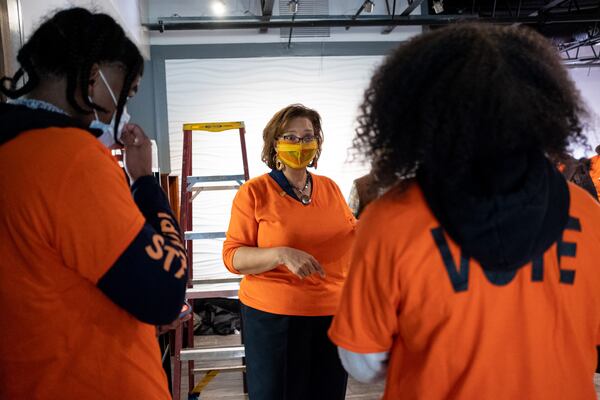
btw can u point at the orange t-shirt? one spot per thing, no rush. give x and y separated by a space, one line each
533 337
263 215
595 173
66 216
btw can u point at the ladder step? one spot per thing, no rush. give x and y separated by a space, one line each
217 280
212 353
207 188
215 178
194 235
231 368
197 293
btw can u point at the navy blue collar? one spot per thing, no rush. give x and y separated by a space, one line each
17 118
279 177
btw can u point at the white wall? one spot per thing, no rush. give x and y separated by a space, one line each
126 12
252 90
587 81
129 14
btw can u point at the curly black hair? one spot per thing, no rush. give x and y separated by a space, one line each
68 44
453 100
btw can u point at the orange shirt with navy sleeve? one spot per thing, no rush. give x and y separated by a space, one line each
263 215
453 334
67 216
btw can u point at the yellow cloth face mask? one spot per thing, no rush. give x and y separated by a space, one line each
296 155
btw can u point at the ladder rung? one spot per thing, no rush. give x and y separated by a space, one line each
212 353
213 281
197 190
231 368
193 235
197 293
192 188
215 178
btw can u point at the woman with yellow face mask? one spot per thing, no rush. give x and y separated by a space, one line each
290 235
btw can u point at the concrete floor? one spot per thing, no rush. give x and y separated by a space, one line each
229 386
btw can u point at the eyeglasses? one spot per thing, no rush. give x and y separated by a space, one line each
295 139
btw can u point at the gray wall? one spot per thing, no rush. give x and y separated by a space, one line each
141 107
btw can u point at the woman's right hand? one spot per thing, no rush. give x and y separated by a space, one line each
299 262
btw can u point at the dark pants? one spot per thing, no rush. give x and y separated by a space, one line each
291 357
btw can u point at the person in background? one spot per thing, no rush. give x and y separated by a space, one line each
595 171
290 235
364 190
88 267
579 172
586 174
479 278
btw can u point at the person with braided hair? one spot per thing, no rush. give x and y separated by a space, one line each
88 265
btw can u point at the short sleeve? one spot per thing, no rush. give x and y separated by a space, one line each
243 226
97 217
366 320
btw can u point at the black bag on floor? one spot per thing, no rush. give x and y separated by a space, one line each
217 316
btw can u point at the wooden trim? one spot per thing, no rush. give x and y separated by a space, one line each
11 36
170 185
3 42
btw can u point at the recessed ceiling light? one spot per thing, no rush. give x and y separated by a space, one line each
219 7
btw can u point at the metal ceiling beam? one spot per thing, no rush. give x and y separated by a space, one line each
591 41
358 12
203 23
578 60
291 30
392 14
547 7
387 6
412 6
267 13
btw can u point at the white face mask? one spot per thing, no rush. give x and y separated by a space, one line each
108 130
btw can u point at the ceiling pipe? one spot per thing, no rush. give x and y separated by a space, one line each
177 24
